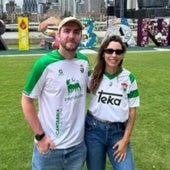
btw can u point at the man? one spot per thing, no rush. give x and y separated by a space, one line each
58 80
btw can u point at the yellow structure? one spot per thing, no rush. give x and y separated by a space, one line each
23 33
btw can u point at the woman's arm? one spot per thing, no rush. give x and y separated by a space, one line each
121 146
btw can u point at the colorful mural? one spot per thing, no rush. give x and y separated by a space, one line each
158 30
120 26
89 37
51 37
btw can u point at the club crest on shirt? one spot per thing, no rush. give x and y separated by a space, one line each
81 68
124 86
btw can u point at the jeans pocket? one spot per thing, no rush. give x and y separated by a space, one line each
90 123
43 153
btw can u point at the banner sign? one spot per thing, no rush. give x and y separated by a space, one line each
23 33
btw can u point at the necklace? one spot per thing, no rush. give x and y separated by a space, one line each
110 84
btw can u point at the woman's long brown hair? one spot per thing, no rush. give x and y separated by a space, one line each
100 66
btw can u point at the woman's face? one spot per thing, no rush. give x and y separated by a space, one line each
113 55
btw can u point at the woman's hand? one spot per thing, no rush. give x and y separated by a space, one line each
120 150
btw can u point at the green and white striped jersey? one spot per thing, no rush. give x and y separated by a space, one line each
116 94
60 85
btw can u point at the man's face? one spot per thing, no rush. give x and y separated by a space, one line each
70 36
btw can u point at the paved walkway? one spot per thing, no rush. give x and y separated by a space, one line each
39 51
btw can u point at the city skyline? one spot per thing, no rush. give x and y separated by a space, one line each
17 2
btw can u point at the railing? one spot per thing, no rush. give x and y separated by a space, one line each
14 27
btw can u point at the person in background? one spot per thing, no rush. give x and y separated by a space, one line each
111 115
59 81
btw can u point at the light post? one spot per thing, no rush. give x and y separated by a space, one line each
75 2
121 8
74 8
107 11
1 8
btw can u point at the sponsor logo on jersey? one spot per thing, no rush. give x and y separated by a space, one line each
73 86
109 98
60 72
58 123
74 89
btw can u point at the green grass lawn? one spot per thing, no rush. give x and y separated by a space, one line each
151 137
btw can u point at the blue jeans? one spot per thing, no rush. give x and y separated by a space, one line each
60 159
100 138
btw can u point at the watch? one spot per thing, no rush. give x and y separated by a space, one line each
38 137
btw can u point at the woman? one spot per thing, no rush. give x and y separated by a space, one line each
112 111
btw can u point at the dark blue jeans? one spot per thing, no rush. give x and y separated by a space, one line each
100 138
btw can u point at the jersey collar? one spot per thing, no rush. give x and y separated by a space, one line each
112 76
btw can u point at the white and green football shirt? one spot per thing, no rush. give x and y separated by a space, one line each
116 94
60 86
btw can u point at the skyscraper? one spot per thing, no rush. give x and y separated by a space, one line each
30 6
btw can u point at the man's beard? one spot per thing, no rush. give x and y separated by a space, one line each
68 48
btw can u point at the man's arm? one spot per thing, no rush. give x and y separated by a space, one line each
30 114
